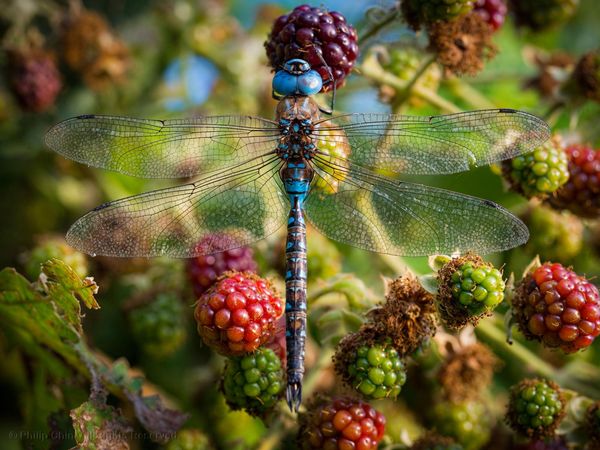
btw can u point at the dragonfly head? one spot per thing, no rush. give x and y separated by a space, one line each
297 78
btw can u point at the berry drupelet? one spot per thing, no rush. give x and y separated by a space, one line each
238 313
341 424
492 11
205 269
536 408
253 382
581 194
540 172
322 38
556 306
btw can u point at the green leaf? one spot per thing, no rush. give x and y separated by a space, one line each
100 426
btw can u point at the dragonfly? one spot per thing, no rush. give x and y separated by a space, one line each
252 176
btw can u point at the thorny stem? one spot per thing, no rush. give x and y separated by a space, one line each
378 26
487 330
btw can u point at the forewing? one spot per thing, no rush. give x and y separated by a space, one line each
398 218
437 144
244 204
162 148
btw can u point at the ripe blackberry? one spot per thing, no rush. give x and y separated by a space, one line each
160 327
581 194
315 35
469 289
492 11
341 424
555 235
467 423
34 78
238 313
50 247
535 408
375 370
538 173
204 270
425 12
253 382
556 306
539 15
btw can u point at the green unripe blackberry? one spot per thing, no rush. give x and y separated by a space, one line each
160 326
54 247
555 235
189 439
536 408
324 259
540 172
469 288
424 12
376 371
253 382
468 423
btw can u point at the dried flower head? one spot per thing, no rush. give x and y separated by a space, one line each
553 69
462 45
408 317
466 371
587 75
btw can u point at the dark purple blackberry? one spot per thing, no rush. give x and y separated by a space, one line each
492 11
321 37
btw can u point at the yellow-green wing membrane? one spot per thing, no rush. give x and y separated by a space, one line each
436 144
163 148
393 217
246 202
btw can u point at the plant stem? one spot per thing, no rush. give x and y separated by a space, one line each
469 94
487 330
378 26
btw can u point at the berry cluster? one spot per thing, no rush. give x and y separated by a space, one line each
581 194
321 37
555 235
238 313
160 326
558 307
377 371
492 11
478 287
343 424
540 172
466 422
54 247
536 408
253 382
205 269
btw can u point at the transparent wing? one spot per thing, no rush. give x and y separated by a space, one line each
162 148
387 216
245 203
436 144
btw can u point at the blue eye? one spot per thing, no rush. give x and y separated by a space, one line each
285 83
310 83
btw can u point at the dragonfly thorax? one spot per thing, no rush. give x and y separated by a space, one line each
296 117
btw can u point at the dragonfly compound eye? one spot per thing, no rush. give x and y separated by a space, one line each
310 83
285 83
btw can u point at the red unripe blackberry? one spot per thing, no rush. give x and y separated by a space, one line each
205 269
581 194
35 79
238 313
492 11
323 38
556 306
342 424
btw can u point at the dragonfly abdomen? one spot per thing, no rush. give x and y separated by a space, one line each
296 177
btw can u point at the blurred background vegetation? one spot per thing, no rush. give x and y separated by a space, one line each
181 58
